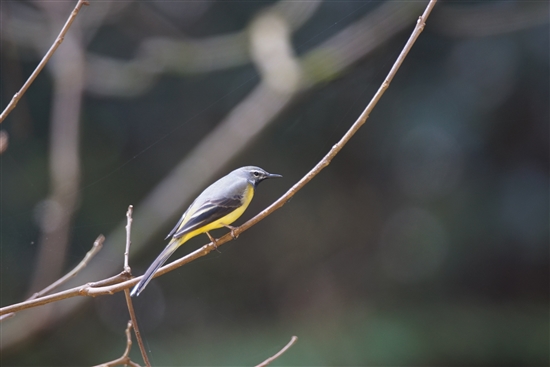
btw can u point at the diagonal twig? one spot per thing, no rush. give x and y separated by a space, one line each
98 244
251 116
44 60
280 353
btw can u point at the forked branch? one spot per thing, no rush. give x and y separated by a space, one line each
123 360
129 304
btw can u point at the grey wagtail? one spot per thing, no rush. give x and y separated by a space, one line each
219 205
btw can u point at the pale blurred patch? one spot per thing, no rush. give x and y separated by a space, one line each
48 215
272 53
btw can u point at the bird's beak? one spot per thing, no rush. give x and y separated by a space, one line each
273 175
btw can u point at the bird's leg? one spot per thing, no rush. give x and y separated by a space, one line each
213 240
233 234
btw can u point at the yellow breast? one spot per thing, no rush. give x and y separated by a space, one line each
235 214
223 221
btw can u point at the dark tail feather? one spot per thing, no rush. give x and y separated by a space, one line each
159 261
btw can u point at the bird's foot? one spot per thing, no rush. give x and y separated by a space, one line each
232 229
214 242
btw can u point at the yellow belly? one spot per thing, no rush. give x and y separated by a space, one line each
223 221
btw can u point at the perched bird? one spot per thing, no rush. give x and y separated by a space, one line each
219 205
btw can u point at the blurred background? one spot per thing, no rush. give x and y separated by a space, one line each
425 242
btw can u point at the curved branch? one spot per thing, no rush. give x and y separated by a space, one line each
280 353
251 116
91 290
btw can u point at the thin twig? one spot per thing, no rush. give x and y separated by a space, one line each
136 329
129 303
44 60
120 277
98 244
280 353
125 358
128 240
87 290
96 247
420 24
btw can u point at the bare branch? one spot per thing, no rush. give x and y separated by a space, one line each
128 240
246 120
120 277
308 177
45 59
136 329
88 290
252 116
347 136
280 353
98 244
129 303
125 358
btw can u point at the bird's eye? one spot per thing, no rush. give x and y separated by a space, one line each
256 174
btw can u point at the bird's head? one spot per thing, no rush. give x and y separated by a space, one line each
255 175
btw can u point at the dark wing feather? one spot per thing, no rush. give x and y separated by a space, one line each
177 225
208 213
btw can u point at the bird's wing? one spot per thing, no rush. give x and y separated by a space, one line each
209 212
178 225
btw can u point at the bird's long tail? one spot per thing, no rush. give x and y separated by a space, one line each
159 261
